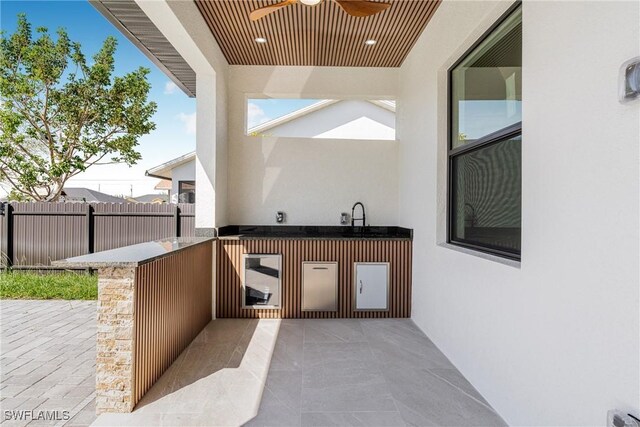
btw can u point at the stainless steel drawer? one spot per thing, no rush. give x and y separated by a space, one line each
319 286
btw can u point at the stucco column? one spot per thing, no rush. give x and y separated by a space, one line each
205 154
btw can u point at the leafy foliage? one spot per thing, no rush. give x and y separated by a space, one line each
59 115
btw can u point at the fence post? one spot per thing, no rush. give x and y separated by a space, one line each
90 229
8 233
176 219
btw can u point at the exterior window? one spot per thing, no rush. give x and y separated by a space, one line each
485 161
186 192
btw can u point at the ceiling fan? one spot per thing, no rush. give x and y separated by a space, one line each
358 8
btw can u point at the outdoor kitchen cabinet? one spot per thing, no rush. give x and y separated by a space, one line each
371 285
319 286
388 296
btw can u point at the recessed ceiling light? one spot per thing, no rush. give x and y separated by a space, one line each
370 42
260 40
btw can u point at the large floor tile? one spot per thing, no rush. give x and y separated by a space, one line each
425 399
316 354
347 397
284 387
280 404
288 351
364 419
343 377
408 351
455 378
333 331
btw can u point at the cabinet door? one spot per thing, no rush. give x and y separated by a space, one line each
371 286
319 286
261 281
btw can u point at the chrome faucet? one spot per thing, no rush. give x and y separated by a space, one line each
354 219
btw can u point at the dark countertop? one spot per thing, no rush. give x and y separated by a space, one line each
131 256
313 232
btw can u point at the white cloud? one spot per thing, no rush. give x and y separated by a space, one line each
189 121
255 115
170 88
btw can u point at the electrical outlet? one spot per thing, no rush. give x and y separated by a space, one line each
344 218
617 418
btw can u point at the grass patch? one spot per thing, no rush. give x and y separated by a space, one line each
65 286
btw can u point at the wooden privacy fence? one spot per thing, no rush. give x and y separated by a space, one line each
34 234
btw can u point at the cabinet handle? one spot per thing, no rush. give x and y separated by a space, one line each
360 286
320 268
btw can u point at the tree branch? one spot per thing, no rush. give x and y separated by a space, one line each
46 126
16 187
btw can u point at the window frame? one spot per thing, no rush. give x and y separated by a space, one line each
487 140
187 182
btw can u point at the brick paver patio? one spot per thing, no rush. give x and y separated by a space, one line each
48 361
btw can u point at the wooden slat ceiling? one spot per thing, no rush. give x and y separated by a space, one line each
322 35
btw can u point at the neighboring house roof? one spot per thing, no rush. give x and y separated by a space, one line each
163 184
80 194
163 171
384 103
261 128
151 198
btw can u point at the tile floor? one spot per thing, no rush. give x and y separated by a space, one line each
48 353
343 372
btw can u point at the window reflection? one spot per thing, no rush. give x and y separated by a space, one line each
487 85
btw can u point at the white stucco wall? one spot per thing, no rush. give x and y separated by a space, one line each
554 341
312 180
346 119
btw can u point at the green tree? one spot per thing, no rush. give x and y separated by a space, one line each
59 115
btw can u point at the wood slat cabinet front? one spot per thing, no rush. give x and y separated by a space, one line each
397 253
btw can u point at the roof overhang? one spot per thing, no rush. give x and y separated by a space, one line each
163 171
129 19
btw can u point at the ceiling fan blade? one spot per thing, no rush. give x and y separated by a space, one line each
362 8
264 11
